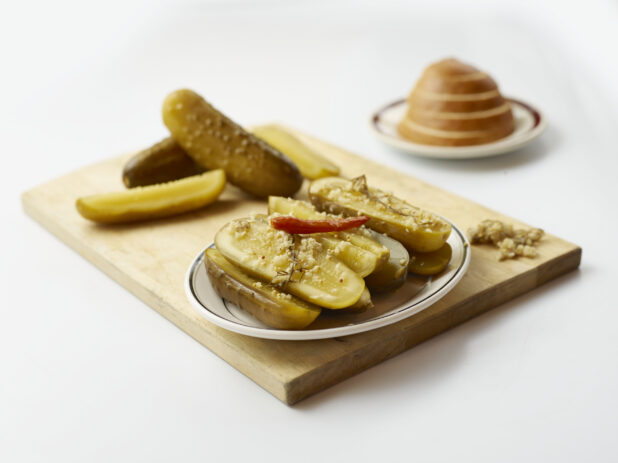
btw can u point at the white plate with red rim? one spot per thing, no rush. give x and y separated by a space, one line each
414 296
529 125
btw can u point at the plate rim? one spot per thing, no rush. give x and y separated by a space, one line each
326 333
494 148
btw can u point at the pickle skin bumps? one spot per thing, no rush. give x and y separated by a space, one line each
216 142
455 104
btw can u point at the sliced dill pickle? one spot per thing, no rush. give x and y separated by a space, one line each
361 238
216 142
394 272
265 302
311 164
430 263
154 201
162 162
297 264
418 230
361 261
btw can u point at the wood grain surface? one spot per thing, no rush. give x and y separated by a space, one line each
150 260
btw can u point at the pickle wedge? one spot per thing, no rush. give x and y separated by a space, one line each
361 238
216 142
311 164
430 263
297 264
418 230
394 272
265 302
162 162
155 201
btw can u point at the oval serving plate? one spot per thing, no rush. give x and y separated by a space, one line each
415 295
529 124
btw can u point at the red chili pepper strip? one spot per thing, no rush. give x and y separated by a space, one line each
297 226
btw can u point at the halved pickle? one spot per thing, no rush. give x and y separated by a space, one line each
154 201
394 272
297 264
363 238
265 302
430 263
311 164
360 261
360 238
418 230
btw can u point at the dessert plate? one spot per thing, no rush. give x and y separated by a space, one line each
529 124
415 295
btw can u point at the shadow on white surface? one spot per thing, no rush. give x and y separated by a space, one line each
420 368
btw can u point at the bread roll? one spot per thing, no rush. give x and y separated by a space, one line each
455 104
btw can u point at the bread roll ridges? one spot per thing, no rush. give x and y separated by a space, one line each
455 104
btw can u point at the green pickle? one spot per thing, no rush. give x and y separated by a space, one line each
153 201
430 263
216 142
265 302
392 274
162 162
311 164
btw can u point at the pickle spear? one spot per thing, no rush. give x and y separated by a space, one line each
361 238
154 201
418 230
297 264
311 164
162 162
265 302
216 142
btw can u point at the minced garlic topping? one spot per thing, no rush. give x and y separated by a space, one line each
413 218
510 242
295 257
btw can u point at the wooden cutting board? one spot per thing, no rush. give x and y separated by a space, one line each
150 260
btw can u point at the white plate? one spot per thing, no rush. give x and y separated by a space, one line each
529 124
415 295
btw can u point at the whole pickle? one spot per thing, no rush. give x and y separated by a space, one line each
162 162
216 142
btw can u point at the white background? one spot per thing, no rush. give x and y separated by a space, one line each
90 373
